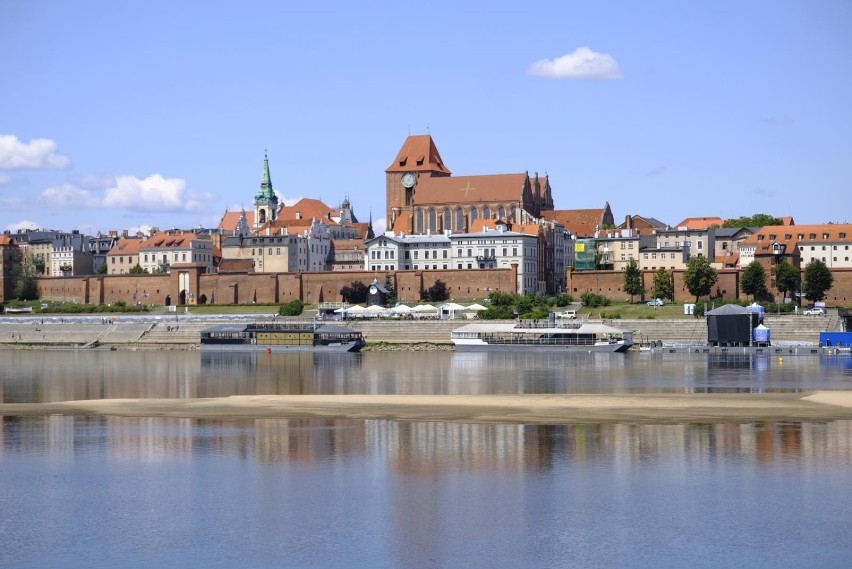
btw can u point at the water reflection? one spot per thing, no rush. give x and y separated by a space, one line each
426 448
32 377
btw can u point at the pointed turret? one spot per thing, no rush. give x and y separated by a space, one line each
265 202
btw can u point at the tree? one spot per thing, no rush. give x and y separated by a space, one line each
633 279
436 293
786 278
391 291
663 287
102 268
756 220
355 293
699 277
753 280
137 270
25 286
818 280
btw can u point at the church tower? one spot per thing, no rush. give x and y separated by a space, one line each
265 201
418 157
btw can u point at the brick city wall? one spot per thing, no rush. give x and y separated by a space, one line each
312 288
264 288
611 284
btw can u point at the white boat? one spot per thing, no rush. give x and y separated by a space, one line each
587 337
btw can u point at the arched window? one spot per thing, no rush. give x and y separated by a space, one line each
263 216
418 221
474 215
501 212
433 220
448 219
459 219
486 212
513 213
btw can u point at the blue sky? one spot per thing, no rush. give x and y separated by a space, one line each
131 114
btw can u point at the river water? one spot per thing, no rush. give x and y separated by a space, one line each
160 492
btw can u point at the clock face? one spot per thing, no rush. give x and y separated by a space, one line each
373 290
408 180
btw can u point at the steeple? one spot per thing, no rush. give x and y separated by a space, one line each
265 201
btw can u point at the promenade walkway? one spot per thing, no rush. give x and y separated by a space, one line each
184 332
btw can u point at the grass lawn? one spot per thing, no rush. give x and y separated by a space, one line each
636 310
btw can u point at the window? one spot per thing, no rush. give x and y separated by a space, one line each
486 212
415 256
433 220
459 220
418 221
501 212
470 252
426 254
474 215
504 251
447 221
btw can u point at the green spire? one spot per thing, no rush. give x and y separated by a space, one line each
265 194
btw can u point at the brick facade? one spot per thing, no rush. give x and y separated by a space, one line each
198 287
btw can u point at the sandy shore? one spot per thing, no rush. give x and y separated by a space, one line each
534 409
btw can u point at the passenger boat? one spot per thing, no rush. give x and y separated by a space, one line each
587 337
281 337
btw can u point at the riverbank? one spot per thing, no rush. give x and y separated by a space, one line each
525 409
183 331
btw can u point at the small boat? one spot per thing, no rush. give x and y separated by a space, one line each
21 310
281 337
587 337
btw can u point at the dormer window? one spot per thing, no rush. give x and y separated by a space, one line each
825 235
403 162
842 235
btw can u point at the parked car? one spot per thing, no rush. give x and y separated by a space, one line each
655 302
572 314
814 312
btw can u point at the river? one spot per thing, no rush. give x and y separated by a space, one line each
90 491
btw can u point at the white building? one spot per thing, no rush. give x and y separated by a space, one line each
163 249
489 249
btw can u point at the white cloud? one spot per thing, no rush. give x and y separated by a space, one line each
39 153
154 193
583 63
380 226
285 200
69 196
22 225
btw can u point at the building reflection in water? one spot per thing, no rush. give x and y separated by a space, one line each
421 448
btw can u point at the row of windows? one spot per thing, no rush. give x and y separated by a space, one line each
813 248
800 236
430 216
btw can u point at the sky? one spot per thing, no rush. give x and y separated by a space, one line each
139 114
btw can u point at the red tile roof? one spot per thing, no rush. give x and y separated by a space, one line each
231 219
236 266
580 222
471 190
306 208
700 223
126 246
166 240
793 235
418 154
6 240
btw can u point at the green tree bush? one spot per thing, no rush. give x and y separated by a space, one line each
699 277
753 281
292 308
818 280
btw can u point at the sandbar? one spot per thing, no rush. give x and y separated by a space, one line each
526 409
